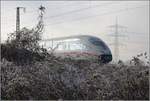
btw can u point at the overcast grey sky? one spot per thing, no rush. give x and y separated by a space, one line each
66 18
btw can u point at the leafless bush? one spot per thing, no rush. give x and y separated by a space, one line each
28 39
57 78
24 50
136 60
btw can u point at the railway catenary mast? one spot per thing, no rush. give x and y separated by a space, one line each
18 21
40 26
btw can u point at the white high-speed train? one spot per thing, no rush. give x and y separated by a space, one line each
81 46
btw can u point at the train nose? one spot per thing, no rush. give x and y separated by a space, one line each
105 58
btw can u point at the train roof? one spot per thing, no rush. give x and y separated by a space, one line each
71 37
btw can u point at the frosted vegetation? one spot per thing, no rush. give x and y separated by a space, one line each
68 79
29 72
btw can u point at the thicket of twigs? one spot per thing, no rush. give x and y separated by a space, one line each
56 78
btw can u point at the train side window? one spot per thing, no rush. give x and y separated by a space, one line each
76 46
55 44
84 47
67 46
62 46
72 44
47 44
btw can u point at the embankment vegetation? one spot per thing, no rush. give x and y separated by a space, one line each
55 78
30 72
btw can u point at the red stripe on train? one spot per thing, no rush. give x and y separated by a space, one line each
79 53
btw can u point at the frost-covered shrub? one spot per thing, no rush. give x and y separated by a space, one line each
56 78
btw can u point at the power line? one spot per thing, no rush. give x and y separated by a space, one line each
82 9
70 12
102 14
82 18
77 10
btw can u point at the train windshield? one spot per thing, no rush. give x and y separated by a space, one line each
98 42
